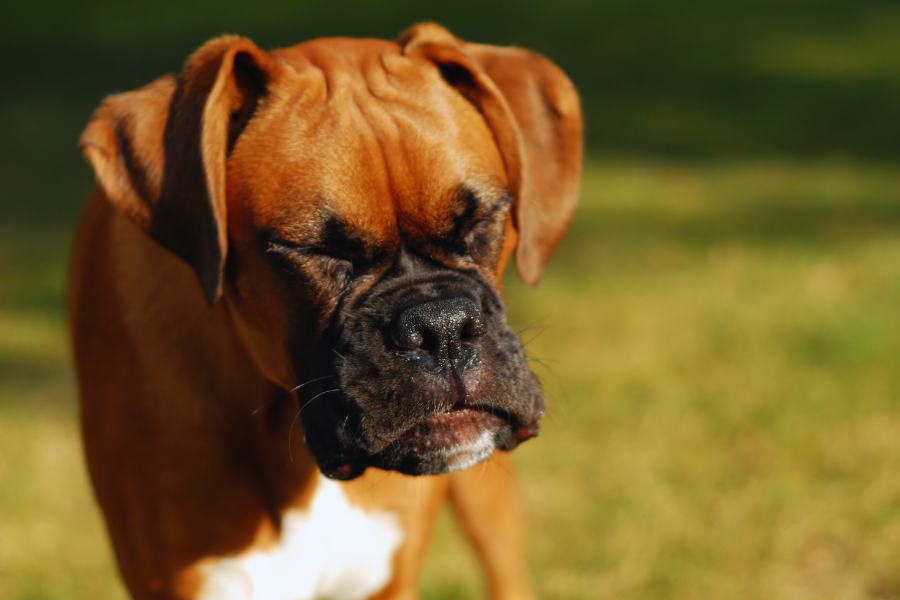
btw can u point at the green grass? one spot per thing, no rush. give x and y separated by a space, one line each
719 345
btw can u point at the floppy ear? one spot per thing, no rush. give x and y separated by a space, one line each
533 111
159 152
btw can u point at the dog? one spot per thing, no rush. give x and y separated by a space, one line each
286 301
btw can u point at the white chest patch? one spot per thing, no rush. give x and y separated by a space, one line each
330 551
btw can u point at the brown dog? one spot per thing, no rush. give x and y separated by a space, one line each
323 226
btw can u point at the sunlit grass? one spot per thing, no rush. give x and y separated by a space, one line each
719 344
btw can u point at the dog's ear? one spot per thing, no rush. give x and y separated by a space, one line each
533 111
159 152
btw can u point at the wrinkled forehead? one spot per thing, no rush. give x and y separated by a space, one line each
369 137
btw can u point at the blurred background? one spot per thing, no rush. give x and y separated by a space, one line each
719 334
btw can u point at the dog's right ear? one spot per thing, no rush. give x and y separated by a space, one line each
159 152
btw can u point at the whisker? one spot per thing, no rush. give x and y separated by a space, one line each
505 469
372 486
543 361
294 422
537 335
557 404
483 467
290 391
262 406
550 369
309 382
530 325
553 372
308 402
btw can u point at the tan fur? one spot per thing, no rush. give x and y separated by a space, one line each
191 437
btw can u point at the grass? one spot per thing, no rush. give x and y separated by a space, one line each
719 346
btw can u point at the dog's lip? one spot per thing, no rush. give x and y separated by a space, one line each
456 438
345 471
448 432
452 434
457 415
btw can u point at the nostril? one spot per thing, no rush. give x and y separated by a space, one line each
439 328
430 342
471 329
415 341
406 335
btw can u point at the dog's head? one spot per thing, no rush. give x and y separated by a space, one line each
354 203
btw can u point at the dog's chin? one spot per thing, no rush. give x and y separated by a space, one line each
447 442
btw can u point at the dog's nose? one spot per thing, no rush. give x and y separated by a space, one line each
439 330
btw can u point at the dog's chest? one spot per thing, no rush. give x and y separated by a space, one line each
330 550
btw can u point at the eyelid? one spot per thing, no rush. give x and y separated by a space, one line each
504 202
280 246
498 207
487 214
291 250
275 244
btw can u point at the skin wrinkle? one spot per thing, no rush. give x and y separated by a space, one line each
371 115
381 143
394 414
399 129
379 125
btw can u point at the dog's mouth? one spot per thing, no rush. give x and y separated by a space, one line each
448 441
432 380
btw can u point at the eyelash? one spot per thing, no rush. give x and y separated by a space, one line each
340 270
468 240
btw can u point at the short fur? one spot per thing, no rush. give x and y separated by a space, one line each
321 228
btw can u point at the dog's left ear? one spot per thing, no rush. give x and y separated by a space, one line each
159 152
533 111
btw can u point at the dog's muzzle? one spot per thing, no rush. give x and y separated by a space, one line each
432 379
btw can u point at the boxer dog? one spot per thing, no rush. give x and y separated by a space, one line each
286 302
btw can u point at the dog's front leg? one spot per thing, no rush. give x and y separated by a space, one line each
487 501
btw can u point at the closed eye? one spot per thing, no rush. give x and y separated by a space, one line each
474 227
295 258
